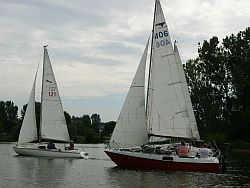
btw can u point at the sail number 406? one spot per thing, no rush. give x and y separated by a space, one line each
161 34
163 41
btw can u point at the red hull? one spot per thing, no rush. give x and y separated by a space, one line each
138 162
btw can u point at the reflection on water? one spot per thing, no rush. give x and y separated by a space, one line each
100 171
147 178
42 171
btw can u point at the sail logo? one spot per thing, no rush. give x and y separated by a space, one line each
160 24
161 36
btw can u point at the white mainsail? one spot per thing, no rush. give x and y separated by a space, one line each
53 124
130 129
167 113
28 132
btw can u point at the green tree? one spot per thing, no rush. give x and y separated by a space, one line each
237 52
86 120
2 116
96 120
67 118
1 128
2 111
108 128
11 116
9 120
219 84
71 126
81 124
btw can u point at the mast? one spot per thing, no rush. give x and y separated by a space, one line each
149 74
39 133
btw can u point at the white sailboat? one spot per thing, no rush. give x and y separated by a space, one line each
52 120
168 113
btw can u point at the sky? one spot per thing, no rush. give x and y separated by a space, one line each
95 45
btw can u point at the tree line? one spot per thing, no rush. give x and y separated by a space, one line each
219 84
83 129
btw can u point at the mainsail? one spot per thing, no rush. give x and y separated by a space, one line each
167 109
130 129
28 132
53 124
190 118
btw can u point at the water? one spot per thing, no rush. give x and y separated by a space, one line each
98 171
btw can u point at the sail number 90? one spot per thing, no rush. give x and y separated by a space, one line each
163 41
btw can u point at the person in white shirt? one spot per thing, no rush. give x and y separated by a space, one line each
204 152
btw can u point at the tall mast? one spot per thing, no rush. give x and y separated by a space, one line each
39 134
150 62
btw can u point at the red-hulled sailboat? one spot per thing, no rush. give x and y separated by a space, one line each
168 114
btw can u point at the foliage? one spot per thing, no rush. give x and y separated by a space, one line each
87 129
8 117
108 128
1 128
219 83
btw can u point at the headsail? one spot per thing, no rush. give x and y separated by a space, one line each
130 129
53 123
28 132
166 106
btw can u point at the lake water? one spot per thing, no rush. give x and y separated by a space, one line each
99 171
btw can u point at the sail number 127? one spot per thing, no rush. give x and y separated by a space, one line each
52 91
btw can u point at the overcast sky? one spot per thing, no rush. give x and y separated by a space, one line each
95 45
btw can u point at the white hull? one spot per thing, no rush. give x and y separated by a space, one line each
55 153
